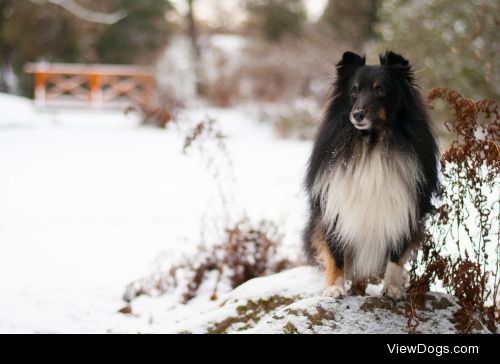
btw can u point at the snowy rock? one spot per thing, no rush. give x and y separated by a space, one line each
292 303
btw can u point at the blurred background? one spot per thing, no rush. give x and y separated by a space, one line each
95 194
259 50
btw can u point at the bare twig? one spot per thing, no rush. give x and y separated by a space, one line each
465 216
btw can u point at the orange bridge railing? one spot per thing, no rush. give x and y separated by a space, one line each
98 86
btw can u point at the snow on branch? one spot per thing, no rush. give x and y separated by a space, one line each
84 13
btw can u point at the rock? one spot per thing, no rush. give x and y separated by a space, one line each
127 310
292 303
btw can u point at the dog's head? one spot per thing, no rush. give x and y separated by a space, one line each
373 91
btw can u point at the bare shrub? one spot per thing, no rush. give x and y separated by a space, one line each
222 92
268 82
248 251
202 132
223 89
295 123
462 241
152 116
271 72
245 250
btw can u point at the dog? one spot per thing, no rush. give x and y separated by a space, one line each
371 175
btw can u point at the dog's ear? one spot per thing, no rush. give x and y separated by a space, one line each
393 59
349 63
351 59
397 63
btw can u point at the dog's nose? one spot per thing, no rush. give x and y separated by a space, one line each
358 115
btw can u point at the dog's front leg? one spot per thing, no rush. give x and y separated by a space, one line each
395 277
334 264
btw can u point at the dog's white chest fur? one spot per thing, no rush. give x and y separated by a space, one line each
370 204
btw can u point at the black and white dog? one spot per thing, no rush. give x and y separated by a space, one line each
371 175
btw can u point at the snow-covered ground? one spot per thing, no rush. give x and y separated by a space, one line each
89 201
271 305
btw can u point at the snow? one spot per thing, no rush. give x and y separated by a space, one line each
228 43
350 316
306 281
91 201
178 78
298 306
18 112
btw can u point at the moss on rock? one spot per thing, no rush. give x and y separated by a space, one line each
290 329
373 303
250 313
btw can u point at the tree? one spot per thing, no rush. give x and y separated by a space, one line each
454 43
139 36
39 31
84 13
193 27
277 18
30 32
5 49
192 30
352 21
118 31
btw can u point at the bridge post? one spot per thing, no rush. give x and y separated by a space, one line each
96 94
40 88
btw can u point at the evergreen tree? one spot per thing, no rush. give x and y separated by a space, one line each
352 21
41 32
139 36
454 43
277 18
30 32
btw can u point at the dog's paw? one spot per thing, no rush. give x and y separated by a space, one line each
393 291
335 291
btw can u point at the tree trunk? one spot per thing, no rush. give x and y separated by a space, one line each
5 70
193 35
193 28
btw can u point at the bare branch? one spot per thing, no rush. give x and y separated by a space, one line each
88 15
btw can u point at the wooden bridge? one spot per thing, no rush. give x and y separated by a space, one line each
96 86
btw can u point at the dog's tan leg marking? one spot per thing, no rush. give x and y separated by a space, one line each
334 275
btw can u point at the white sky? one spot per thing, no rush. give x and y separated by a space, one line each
207 9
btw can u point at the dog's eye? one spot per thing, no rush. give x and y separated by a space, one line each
379 91
355 91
